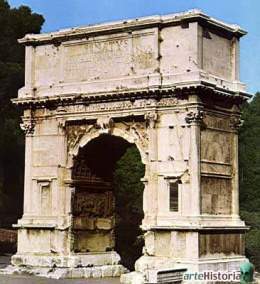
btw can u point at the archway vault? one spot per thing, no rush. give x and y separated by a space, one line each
80 133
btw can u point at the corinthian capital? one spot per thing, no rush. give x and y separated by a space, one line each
28 127
194 116
235 122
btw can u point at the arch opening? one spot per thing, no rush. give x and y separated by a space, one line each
108 200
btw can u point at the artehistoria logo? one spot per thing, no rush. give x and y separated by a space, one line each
220 276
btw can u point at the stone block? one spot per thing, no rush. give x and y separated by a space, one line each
107 270
84 223
149 243
104 224
96 272
87 272
77 273
132 278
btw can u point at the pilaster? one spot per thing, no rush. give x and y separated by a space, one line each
194 119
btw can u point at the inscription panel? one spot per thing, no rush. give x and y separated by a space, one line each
99 59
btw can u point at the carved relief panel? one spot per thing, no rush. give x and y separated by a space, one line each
216 196
133 130
91 204
216 146
216 165
93 210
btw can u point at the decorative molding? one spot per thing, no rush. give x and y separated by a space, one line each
141 132
168 102
104 125
133 131
235 122
194 117
28 127
75 133
137 130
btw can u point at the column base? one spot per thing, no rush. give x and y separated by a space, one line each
73 266
67 273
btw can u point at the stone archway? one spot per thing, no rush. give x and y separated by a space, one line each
133 129
169 97
99 223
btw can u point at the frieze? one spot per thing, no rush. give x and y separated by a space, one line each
218 123
122 105
168 102
110 106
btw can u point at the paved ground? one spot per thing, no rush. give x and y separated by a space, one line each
4 260
39 280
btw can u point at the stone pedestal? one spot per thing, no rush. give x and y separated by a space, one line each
72 266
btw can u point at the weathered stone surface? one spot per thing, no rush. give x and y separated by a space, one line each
132 278
165 84
67 273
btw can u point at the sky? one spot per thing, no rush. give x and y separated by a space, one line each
61 14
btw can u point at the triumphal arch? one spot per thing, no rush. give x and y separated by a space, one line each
170 86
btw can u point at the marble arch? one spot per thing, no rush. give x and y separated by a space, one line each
170 84
133 139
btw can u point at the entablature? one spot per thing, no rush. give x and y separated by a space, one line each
204 90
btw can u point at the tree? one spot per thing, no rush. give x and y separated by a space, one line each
249 166
249 156
129 206
14 24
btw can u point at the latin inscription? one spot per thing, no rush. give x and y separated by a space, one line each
105 59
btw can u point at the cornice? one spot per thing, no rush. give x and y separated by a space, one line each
131 25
